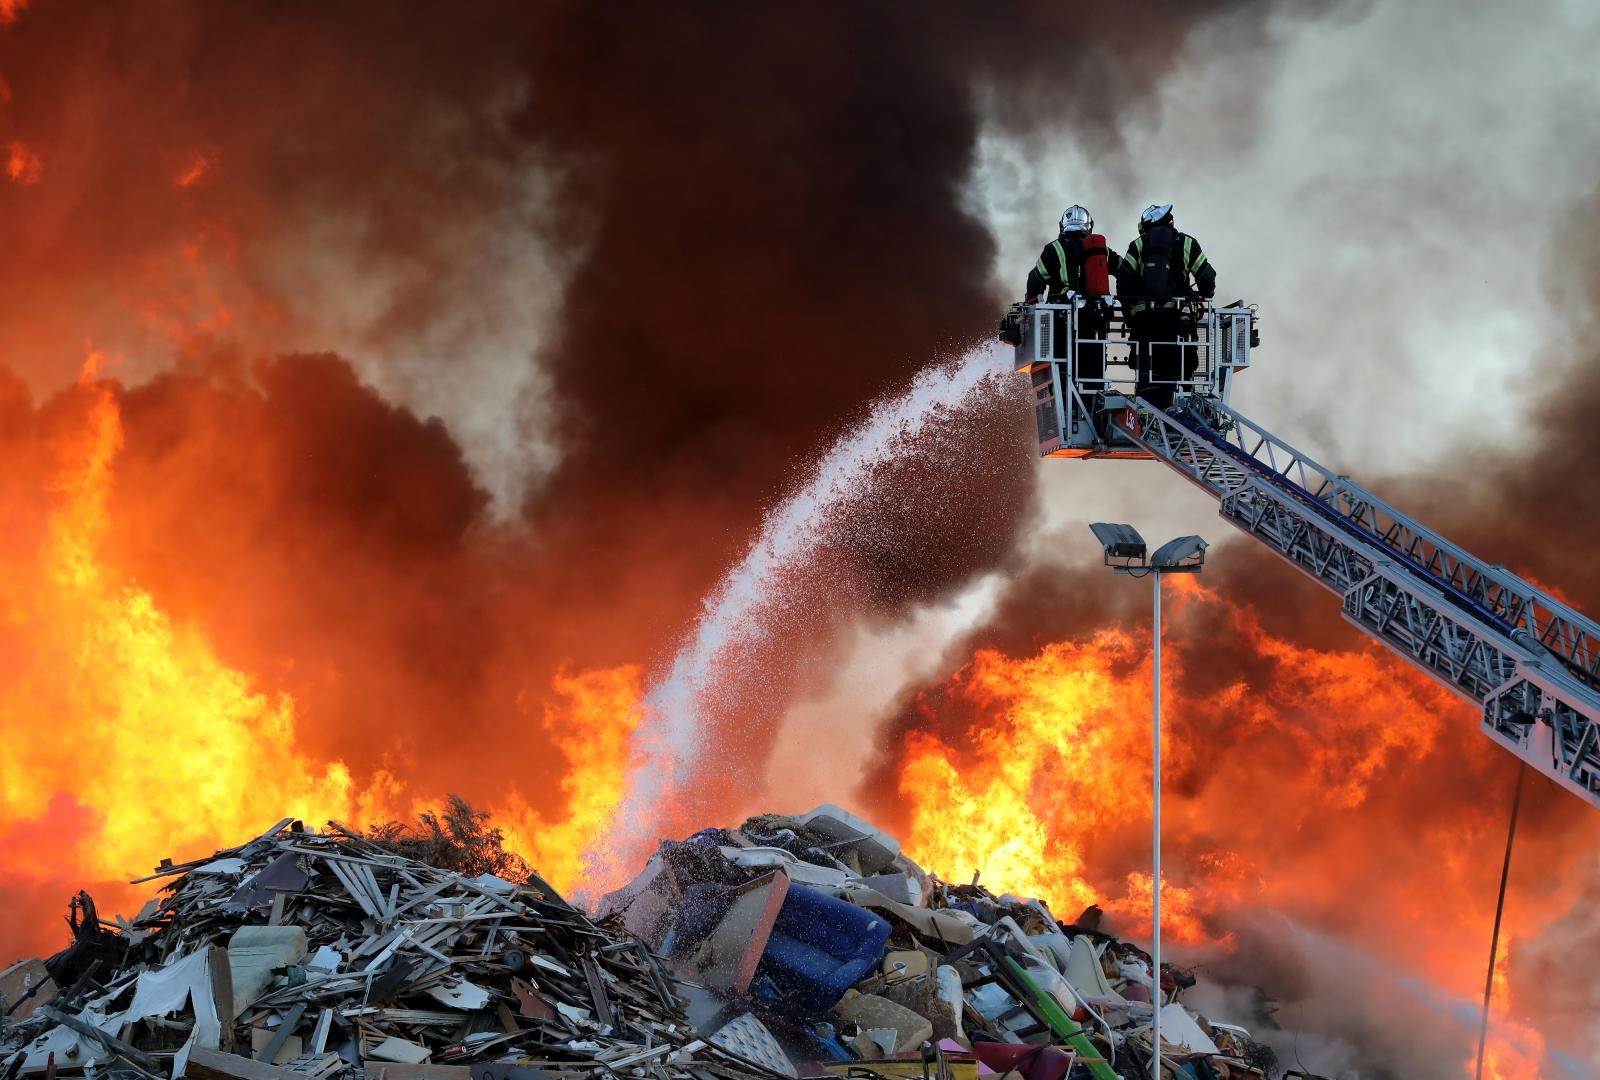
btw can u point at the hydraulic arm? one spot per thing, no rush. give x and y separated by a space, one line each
1529 661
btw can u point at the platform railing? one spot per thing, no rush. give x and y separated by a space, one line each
1058 345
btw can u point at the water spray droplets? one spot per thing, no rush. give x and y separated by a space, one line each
738 615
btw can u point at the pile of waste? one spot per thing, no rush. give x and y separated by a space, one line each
790 946
860 963
306 955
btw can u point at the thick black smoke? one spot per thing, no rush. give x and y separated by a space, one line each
777 236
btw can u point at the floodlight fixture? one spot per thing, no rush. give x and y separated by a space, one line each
1185 555
1122 543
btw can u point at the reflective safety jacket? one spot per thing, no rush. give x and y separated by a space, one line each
1060 269
1185 261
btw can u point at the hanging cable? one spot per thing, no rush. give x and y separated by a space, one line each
1499 909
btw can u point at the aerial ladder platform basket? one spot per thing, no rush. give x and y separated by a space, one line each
1529 661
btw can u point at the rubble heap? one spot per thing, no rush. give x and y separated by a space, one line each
790 946
856 959
318 955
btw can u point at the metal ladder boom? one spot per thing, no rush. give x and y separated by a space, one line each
1530 661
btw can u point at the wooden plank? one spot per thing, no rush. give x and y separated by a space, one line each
357 893
597 994
319 1037
394 1070
286 1028
364 877
207 1064
423 897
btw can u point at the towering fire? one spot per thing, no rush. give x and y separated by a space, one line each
128 739
109 707
591 726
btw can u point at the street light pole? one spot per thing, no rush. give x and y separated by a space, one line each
1155 880
1125 553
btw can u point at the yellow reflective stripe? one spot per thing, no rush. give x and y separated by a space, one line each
1039 266
1131 261
1061 262
1190 250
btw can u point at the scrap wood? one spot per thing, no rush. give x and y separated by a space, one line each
435 941
207 1064
478 978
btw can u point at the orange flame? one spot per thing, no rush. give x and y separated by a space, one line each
1062 753
993 808
602 709
128 739
1514 1050
1282 787
107 690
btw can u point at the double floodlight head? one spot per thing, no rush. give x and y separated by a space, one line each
1125 551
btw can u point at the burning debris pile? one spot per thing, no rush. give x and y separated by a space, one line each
856 958
790 946
330 955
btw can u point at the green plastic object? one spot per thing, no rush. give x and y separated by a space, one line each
1065 1028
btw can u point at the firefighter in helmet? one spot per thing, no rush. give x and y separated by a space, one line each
1161 272
1060 272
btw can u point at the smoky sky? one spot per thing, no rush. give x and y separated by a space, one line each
777 230
758 217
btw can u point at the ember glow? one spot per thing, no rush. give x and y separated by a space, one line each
198 168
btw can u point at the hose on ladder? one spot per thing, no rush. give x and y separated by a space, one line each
1499 909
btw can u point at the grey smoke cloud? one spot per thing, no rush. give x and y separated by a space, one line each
1335 1009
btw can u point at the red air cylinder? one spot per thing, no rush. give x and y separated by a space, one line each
1096 281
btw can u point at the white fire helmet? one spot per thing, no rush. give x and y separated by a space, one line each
1156 213
1076 219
